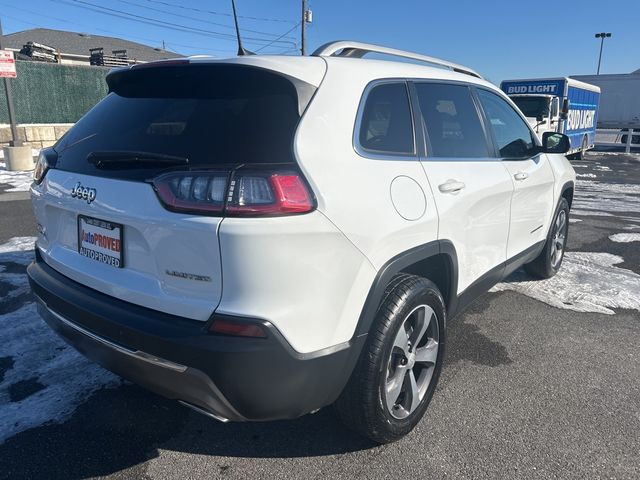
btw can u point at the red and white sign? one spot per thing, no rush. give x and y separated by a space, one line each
7 64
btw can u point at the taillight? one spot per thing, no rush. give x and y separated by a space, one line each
243 193
193 191
46 159
255 193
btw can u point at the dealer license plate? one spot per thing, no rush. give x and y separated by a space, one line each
100 240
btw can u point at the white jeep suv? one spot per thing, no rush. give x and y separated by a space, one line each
260 237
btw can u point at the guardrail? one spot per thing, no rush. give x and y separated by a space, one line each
610 137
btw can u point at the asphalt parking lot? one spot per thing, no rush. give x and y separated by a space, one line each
542 379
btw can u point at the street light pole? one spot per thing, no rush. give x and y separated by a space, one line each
601 36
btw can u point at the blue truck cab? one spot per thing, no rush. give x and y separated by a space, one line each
561 105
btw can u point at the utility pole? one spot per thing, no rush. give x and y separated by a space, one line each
303 24
601 36
16 142
307 17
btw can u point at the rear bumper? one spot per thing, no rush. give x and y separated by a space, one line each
230 378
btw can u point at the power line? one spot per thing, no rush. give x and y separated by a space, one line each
197 19
223 14
110 32
274 41
160 23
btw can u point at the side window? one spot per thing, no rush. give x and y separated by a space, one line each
452 122
386 124
512 134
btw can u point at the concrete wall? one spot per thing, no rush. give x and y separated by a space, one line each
35 135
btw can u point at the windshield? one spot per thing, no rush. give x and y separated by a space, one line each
532 106
211 115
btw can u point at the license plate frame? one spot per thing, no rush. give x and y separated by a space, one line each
112 259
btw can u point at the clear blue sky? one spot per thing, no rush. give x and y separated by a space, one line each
501 39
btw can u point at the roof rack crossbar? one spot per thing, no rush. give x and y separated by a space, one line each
344 48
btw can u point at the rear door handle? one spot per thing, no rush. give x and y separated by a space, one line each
451 186
520 176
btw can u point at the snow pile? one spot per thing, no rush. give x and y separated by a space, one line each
31 351
587 282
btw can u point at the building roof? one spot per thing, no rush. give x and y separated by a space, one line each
80 43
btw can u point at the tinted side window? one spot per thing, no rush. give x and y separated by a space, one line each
452 122
386 124
512 134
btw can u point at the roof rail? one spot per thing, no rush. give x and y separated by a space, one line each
358 50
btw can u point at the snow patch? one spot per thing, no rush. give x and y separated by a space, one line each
586 175
625 237
601 168
37 352
587 282
605 199
574 220
20 181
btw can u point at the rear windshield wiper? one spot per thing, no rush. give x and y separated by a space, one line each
132 159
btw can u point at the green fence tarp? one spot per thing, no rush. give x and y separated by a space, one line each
52 93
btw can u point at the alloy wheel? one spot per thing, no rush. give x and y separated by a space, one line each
412 361
558 239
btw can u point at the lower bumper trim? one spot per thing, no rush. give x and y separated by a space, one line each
140 355
203 411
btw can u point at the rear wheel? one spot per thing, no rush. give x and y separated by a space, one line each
397 373
547 264
583 149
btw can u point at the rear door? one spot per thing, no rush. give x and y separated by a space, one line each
100 218
472 188
530 171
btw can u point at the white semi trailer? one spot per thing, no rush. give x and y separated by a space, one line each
619 103
619 99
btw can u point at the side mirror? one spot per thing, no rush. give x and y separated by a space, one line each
540 118
565 109
553 142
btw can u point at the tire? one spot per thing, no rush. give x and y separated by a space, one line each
583 149
547 264
389 363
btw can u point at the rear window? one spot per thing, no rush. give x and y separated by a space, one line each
211 114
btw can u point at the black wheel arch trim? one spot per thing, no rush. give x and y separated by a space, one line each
399 263
570 185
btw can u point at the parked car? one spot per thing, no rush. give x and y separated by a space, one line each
263 236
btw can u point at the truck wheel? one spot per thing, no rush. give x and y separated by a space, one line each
547 264
583 148
396 375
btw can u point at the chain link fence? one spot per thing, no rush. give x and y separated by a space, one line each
53 93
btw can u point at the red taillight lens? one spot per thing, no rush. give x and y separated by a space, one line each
270 194
246 193
237 329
